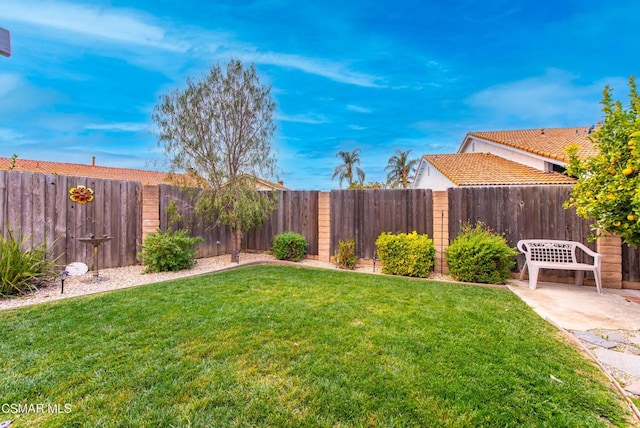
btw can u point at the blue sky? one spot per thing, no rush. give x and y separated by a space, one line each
84 77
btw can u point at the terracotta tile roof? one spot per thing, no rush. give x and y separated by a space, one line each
80 170
485 169
550 144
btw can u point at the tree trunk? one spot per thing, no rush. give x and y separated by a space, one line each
235 247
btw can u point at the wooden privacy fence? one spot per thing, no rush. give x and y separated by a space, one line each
364 214
296 211
38 206
518 213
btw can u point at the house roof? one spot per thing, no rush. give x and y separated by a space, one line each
81 170
109 173
550 143
486 169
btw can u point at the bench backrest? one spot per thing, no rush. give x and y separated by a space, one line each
550 251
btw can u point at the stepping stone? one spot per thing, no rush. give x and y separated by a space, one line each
635 340
592 338
633 388
627 363
615 337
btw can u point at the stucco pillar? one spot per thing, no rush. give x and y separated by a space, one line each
441 228
610 247
324 226
150 210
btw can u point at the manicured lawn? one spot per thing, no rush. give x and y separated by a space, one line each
287 346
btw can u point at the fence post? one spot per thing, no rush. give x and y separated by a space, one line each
324 226
610 247
150 210
441 229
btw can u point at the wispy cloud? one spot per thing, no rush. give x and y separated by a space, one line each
335 71
115 25
309 118
358 109
9 82
553 99
118 127
8 135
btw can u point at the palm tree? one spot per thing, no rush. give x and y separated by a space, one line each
350 160
400 168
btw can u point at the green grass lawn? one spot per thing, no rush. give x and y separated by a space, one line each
286 346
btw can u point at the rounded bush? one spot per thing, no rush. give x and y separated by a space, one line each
169 251
480 255
346 257
289 246
406 254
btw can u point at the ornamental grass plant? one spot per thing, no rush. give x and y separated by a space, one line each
23 267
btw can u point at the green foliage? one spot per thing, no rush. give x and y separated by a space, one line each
608 183
400 169
346 257
289 246
22 270
349 167
406 254
480 255
169 251
219 130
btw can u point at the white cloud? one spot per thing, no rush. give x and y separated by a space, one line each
115 25
8 135
309 118
328 69
358 109
9 82
553 99
118 127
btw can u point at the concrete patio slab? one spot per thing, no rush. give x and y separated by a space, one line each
575 307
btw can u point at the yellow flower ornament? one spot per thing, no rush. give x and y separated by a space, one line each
81 194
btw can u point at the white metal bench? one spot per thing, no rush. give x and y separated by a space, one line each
550 254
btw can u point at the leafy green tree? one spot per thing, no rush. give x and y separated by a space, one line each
219 130
399 169
608 187
350 162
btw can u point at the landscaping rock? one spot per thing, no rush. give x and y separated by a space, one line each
635 339
633 388
614 336
592 338
626 363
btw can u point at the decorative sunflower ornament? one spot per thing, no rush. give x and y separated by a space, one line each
81 194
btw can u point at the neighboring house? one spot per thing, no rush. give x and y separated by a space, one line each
108 173
85 170
502 158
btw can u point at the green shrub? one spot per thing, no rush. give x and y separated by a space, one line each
406 254
480 255
169 251
289 246
21 270
346 257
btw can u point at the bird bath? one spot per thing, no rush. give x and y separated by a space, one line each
96 243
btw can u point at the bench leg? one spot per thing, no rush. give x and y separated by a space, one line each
579 277
533 277
596 273
523 272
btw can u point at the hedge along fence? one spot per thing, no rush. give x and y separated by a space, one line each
38 205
